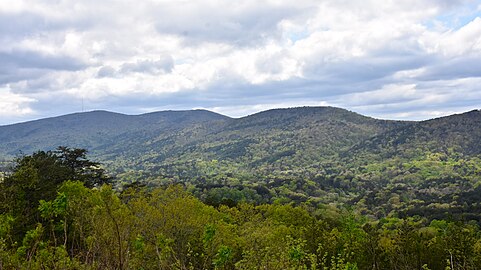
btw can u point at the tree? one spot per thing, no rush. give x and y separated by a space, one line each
81 169
37 177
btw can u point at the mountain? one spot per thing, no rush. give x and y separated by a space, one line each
97 131
286 138
460 133
315 155
296 135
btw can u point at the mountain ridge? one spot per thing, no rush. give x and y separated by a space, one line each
212 112
315 155
96 124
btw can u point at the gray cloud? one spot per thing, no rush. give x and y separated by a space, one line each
16 25
238 23
163 64
106 71
9 74
134 56
456 68
36 60
13 25
27 71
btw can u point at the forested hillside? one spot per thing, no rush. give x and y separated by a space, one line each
99 131
49 222
300 135
315 155
302 188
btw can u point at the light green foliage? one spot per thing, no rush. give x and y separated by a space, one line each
224 254
170 229
54 208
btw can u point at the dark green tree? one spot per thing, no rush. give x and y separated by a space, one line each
79 168
37 177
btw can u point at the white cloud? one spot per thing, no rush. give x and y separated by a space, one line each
238 54
454 43
243 110
14 105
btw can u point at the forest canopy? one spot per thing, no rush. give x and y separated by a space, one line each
67 216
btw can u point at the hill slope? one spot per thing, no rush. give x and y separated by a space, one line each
309 134
459 133
312 154
97 131
282 139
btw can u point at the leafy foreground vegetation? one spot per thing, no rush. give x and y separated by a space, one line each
59 212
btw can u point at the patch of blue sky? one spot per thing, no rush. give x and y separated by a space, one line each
456 18
297 35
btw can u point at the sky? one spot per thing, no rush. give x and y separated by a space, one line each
408 60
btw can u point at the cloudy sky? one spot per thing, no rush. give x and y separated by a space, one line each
410 59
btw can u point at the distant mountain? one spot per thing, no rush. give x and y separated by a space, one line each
294 137
459 133
291 137
97 131
317 155
297 135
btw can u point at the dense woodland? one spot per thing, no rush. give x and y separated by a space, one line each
58 211
303 188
